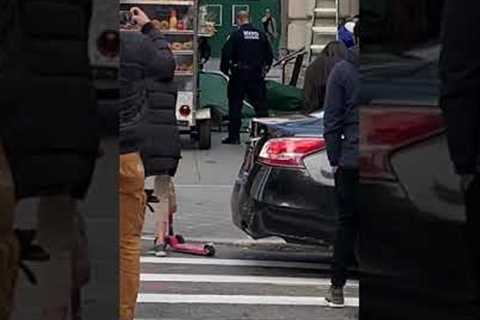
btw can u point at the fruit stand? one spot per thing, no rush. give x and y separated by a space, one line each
183 24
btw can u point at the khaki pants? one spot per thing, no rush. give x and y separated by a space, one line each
132 214
9 249
167 206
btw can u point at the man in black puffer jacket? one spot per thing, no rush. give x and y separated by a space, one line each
161 141
51 138
142 54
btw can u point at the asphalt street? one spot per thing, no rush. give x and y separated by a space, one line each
247 279
247 282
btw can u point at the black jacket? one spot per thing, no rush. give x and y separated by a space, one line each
460 75
51 137
247 49
341 120
160 137
143 56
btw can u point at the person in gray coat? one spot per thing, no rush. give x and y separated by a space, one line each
342 137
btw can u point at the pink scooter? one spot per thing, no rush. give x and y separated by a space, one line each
177 242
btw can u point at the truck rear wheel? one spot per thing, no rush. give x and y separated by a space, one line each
204 135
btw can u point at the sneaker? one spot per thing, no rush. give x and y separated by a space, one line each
158 250
229 140
335 297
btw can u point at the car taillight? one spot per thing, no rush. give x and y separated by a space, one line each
185 111
108 43
386 129
289 152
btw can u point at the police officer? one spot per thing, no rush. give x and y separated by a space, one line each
246 58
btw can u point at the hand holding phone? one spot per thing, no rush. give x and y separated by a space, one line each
139 17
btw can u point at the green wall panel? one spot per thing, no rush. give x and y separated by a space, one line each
257 11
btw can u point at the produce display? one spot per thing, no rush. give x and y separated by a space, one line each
164 25
173 21
181 25
188 45
184 67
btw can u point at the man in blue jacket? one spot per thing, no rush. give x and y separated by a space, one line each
341 135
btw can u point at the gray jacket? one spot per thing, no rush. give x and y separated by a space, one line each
341 113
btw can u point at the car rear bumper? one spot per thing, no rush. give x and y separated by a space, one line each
285 203
405 250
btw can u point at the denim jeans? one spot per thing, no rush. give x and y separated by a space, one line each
346 189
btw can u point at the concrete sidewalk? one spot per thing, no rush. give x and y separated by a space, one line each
204 183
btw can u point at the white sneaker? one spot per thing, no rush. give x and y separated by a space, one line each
158 250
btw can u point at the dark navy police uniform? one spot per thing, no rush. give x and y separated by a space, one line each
246 57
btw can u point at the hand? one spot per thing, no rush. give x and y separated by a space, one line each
139 17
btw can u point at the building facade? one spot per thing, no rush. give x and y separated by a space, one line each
223 13
297 18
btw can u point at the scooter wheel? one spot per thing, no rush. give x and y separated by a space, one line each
180 239
209 249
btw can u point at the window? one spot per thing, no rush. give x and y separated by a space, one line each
212 13
400 52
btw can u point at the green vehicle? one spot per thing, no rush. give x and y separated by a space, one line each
281 99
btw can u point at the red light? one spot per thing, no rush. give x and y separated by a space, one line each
386 129
289 152
185 111
108 43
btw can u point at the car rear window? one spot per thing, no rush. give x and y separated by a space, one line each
400 52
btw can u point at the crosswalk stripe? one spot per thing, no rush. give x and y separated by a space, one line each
239 299
205 278
235 263
203 186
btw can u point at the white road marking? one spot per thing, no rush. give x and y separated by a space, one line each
239 299
205 278
200 186
235 263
